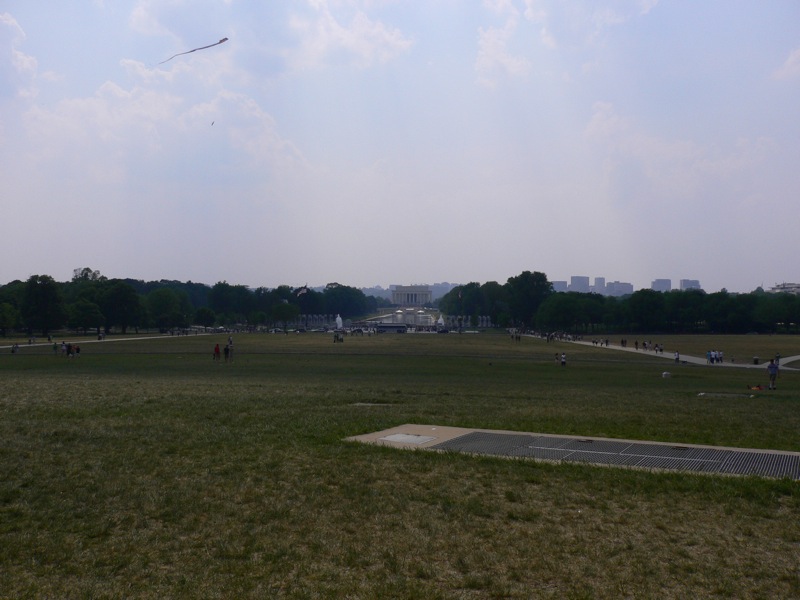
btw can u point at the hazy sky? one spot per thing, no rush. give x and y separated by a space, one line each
377 142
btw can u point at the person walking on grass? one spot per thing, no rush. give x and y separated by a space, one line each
772 371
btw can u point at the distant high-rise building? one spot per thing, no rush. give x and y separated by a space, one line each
559 286
690 284
599 286
619 288
578 283
661 285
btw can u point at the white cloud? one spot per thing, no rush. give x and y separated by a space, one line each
501 6
17 69
144 20
547 38
362 42
534 12
790 68
494 56
645 6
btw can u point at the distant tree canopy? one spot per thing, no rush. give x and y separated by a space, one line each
85 315
90 301
345 301
121 305
528 300
168 309
515 303
43 306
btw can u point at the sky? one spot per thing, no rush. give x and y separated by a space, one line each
380 142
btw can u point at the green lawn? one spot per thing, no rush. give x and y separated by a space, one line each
144 469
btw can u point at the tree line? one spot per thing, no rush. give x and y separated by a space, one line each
528 300
92 302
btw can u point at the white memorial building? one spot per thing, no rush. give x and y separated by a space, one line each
412 295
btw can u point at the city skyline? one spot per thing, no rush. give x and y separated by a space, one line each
582 284
366 141
576 282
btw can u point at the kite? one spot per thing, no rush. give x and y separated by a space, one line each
195 50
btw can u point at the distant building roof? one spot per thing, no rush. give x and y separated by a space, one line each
790 288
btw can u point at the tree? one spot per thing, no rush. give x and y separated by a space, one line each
12 293
471 300
87 274
526 292
283 312
43 306
121 305
85 315
166 309
463 300
740 316
256 318
205 317
614 313
449 303
715 309
788 310
684 310
495 303
345 301
560 312
9 317
647 310
310 302
231 302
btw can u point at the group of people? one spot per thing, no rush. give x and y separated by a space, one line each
227 351
714 356
68 350
646 345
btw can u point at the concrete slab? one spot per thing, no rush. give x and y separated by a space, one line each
407 436
662 456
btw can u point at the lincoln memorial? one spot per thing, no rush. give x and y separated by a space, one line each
412 295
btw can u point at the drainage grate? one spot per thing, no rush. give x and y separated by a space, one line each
541 453
678 464
604 458
764 464
597 446
631 454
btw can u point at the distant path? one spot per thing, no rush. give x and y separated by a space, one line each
104 340
695 360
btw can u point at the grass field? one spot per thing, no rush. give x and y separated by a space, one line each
144 469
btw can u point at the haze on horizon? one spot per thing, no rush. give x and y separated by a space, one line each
382 142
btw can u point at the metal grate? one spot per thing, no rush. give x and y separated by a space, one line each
630 454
